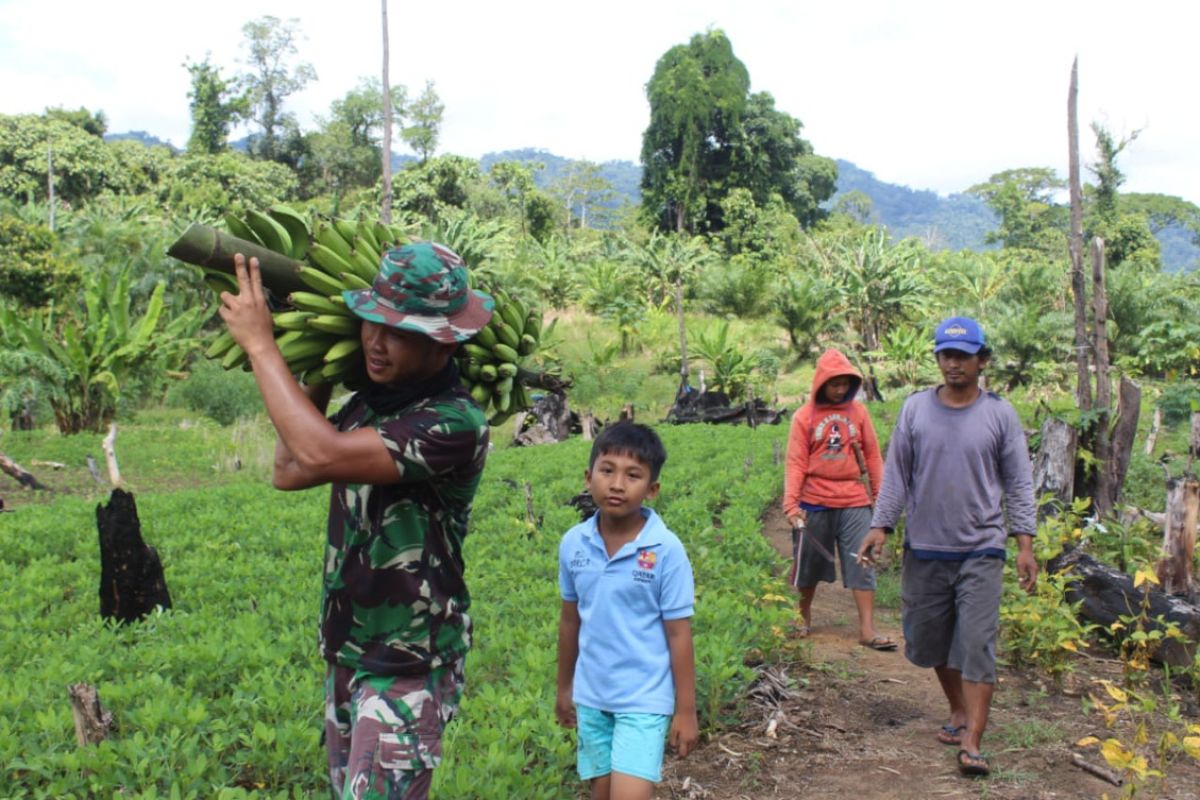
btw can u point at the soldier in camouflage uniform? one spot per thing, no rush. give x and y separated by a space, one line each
404 457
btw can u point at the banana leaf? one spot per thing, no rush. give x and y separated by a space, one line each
203 246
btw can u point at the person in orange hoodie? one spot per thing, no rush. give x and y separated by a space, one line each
831 449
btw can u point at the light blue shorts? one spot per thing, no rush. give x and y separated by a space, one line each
631 744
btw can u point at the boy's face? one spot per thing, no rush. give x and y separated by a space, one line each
835 389
619 483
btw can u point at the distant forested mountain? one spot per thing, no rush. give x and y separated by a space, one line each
624 176
139 136
957 222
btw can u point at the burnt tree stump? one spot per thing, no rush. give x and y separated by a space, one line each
132 583
549 420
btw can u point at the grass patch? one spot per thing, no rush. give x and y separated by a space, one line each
1029 734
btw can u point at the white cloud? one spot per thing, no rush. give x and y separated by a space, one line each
926 93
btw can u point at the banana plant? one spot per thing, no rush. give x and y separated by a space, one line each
83 358
731 367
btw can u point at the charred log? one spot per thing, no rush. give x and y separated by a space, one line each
714 408
1107 594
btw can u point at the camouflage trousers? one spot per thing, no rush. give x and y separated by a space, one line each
383 734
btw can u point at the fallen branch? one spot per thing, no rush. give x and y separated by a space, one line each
1103 773
51 464
20 474
95 470
109 444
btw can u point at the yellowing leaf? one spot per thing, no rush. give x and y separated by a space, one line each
1087 741
1117 626
1116 693
1069 645
1144 575
1191 746
1115 753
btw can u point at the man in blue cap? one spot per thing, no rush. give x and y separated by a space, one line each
956 463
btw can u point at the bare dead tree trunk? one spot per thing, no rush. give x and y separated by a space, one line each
1120 450
1193 443
1179 538
1152 436
683 351
386 211
1104 492
1054 465
50 184
1083 388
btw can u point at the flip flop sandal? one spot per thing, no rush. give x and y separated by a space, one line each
879 642
949 734
973 765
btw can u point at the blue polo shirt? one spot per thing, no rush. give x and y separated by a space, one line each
624 664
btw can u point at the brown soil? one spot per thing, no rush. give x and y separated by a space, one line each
861 724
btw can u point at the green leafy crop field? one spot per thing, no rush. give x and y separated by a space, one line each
221 696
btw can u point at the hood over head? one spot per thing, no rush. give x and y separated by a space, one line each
830 365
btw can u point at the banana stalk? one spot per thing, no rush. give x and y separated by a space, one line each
208 247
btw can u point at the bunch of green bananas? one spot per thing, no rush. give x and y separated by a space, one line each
316 333
490 363
319 336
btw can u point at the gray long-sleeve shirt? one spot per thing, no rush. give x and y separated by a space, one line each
953 471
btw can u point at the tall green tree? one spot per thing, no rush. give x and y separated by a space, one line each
515 180
1029 216
582 191
425 117
770 158
697 97
347 145
84 165
94 123
708 136
271 77
217 104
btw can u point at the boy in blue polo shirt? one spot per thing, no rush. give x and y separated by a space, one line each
625 656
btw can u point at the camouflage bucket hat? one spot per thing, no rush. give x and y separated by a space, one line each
422 287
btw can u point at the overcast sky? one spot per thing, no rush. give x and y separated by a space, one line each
932 95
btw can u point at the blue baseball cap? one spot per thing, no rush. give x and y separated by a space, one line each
958 333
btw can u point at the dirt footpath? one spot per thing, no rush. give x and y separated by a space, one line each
861 724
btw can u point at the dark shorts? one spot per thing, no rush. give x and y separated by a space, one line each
833 531
384 733
951 614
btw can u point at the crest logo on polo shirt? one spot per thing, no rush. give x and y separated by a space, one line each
646 559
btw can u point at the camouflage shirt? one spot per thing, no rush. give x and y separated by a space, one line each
394 599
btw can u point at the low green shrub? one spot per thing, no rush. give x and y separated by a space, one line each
1177 401
223 395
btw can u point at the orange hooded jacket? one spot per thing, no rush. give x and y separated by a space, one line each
821 467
